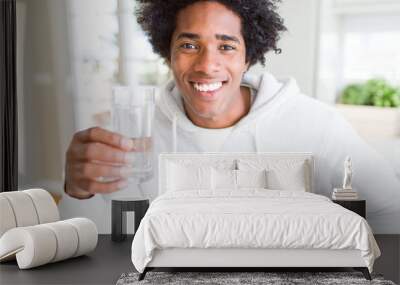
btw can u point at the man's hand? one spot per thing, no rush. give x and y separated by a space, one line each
95 153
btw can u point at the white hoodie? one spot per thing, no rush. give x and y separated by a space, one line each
281 119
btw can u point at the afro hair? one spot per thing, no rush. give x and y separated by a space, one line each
261 24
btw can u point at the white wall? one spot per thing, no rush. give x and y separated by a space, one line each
299 45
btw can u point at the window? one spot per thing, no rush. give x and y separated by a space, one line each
358 40
371 48
107 48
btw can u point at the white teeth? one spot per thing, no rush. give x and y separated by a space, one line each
207 87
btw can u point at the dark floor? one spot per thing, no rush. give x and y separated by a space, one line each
102 266
389 262
110 260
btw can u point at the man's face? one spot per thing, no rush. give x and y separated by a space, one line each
208 59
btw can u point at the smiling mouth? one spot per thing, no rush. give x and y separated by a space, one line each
207 87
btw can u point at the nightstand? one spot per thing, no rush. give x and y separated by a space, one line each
119 207
357 206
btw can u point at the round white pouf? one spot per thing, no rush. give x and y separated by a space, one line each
7 218
67 240
46 208
40 244
87 232
33 246
23 208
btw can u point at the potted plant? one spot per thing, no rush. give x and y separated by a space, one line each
372 108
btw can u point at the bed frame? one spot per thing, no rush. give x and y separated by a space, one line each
250 259
234 259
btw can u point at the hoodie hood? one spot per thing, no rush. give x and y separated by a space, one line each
266 89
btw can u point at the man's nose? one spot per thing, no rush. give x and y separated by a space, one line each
207 62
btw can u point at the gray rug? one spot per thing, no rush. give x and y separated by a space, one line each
268 278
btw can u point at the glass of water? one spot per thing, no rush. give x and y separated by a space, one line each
132 116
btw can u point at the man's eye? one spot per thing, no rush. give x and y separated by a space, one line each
227 47
188 46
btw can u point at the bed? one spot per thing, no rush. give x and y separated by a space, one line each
247 210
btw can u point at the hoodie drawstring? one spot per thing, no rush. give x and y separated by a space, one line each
174 137
255 138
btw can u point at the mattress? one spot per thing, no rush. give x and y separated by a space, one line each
250 219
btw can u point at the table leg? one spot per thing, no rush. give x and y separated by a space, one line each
118 218
140 211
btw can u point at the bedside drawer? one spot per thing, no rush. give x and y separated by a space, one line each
357 206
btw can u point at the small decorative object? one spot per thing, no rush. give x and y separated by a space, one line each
346 192
348 174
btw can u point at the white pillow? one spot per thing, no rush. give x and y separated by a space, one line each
229 179
224 179
252 178
287 179
188 177
282 174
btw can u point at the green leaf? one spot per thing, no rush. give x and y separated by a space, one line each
376 92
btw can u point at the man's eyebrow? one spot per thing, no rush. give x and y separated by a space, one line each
221 37
227 38
188 35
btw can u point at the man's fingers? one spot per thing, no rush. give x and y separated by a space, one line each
94 187
95 153
94 170
102 152
100 135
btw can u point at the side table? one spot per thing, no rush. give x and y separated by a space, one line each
357 206
119 207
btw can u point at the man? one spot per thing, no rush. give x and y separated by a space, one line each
216 106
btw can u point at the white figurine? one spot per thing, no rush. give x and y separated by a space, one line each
348 174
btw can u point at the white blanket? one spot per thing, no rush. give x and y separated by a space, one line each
250 218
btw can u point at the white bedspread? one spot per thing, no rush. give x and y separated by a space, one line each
250 219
